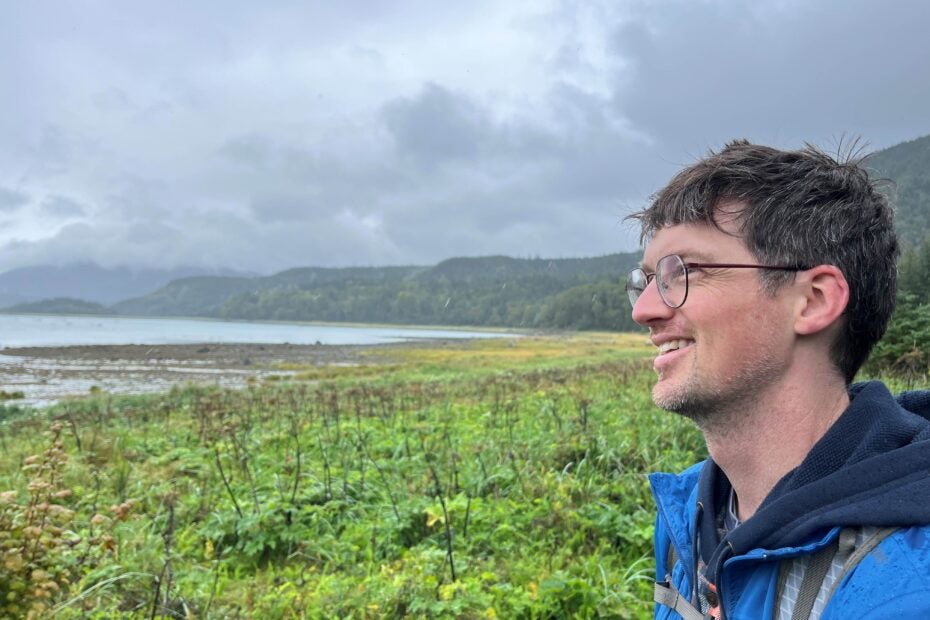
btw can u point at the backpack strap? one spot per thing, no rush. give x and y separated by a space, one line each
666 594
843 545
816 572
859 554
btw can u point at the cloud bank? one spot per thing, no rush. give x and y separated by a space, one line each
261 138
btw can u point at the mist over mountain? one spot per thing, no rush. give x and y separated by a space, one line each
488 290
88 282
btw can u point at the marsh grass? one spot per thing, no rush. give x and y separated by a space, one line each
490 479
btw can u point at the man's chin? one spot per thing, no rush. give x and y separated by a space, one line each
668 402
681 400
669 396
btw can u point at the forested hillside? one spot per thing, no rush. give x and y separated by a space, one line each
907 166
576 293
59 305
905 348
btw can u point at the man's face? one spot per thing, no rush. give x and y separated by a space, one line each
729 341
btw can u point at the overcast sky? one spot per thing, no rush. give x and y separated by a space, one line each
261 136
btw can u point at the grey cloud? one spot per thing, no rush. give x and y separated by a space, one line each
436 126
280 206
517 194
10 199
135 198
301 134
212 240
62 206
250 150
368 55
113 100
584 149
702 72
52 151
527 185
289 181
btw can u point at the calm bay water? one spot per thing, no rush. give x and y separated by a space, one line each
46 330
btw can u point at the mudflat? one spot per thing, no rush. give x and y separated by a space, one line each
48 374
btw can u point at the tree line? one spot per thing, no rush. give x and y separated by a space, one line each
905 348
538 301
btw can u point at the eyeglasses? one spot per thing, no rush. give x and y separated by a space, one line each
671 276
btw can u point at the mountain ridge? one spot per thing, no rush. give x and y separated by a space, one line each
88 281
494 290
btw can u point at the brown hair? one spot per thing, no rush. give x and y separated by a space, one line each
800 208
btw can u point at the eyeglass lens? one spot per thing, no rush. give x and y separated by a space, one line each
671 280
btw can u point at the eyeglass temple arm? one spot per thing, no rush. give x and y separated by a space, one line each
742 266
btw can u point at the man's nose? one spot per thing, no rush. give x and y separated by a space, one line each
650 307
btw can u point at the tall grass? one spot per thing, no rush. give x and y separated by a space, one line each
492 479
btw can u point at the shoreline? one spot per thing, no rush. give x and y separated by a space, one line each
49 374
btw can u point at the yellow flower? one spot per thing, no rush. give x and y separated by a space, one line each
432 518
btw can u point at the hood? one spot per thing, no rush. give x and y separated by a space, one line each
868 469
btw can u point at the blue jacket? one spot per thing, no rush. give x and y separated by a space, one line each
872 468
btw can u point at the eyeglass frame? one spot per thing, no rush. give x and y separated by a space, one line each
687 267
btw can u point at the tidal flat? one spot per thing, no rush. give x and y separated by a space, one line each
46 375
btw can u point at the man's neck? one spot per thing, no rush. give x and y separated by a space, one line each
773 437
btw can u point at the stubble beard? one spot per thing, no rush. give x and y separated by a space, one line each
719 405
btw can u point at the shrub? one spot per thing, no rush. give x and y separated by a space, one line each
43 555
904 351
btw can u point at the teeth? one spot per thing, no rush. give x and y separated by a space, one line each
673 345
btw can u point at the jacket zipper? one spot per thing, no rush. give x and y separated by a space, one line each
695 550
719 571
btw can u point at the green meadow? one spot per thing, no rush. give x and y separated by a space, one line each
492 479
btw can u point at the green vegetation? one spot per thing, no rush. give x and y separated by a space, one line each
58 305
491 479
907 165
578 293
905 348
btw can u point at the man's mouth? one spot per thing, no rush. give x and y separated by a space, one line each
674 345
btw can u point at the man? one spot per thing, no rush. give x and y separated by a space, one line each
766 279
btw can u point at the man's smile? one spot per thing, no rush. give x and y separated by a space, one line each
673 345
669 351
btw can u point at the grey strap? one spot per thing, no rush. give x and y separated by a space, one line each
816 571
859 554
784 569
666 594
843 546
670 559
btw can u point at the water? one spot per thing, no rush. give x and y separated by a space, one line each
50 331
45 380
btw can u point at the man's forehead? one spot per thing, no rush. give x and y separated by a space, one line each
694 242
688 254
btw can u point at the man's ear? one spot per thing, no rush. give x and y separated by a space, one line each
823 295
